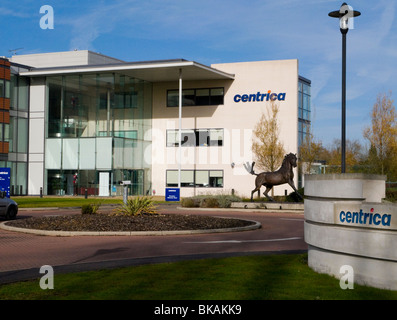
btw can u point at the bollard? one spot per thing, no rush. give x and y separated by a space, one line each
41 192
125 194
85 193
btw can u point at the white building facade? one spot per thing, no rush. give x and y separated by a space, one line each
95 121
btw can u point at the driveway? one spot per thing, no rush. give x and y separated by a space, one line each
22 254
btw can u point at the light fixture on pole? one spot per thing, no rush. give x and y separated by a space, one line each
345 15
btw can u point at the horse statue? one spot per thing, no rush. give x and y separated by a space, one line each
283 175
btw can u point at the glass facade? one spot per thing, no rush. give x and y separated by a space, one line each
303 109
98 128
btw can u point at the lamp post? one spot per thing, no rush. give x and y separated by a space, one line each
344 14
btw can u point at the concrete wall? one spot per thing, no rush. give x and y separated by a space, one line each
36 135
346 223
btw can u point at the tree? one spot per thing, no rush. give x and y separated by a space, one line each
382 135
266 147
354 156
310 151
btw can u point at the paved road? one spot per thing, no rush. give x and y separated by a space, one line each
22 255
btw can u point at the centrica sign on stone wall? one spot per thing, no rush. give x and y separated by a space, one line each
259 97
366 215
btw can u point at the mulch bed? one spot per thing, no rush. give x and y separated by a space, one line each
107 222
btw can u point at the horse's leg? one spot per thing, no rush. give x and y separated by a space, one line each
266 191
253 191
292 184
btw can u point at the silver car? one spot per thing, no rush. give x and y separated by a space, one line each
8 207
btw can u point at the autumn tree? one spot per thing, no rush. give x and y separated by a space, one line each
268 150
354 156
382 136
310 151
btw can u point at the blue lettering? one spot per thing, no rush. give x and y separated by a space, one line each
376 222
348 217
281 97
365 218
386 219
342 216
256 97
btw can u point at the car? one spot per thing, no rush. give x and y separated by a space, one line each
8 207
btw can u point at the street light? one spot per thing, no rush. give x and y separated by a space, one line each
345 15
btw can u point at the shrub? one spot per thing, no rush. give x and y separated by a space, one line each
137 206
210 201
91 208
190 203
293 197
391 195
225 200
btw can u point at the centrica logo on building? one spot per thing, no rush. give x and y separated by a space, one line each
258 97
369 219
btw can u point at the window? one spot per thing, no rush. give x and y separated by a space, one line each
196 97
195 178
303 109
196 138
2 90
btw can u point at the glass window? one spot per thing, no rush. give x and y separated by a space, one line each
202 137
196 97
201 178
7 89
195 178
23 93
172 178
216 178
198 137
202 97
216 137
172 138
187 178
14 91
188 98
188 138
216 96
172 98
22 135
2 88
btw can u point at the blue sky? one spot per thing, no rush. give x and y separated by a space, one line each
219 31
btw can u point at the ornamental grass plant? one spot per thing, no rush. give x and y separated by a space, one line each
137 206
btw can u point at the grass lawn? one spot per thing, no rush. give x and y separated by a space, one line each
49 201
277 277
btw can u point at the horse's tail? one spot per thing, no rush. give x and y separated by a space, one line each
252 169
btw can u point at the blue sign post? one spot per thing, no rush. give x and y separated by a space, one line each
172 194
5 178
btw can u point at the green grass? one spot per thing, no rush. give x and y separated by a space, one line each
62 202
37 202
279 277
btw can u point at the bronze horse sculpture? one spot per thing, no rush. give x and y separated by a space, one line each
283 175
